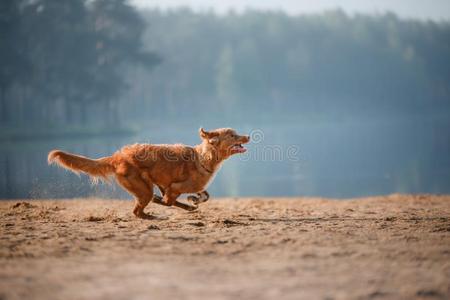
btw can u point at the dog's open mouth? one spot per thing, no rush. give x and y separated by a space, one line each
237 148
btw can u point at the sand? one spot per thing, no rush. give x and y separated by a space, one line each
393 247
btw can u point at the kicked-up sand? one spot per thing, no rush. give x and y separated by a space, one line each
392 247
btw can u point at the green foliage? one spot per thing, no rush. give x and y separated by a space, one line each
14 62
72 62
58 57
307 64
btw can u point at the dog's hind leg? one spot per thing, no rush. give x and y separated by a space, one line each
141 190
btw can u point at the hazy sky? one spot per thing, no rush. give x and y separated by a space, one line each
423 9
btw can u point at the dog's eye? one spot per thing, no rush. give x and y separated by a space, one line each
233 135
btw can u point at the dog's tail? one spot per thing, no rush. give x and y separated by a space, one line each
96 168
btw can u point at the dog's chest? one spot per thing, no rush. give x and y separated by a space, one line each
211 177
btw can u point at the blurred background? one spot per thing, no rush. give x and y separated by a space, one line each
360 90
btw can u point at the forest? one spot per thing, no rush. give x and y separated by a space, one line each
318 65
62 62
102 63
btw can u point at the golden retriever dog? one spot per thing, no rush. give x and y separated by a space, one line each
174 169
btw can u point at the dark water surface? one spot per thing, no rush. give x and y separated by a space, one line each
329 159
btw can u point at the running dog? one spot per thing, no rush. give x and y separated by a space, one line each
174 169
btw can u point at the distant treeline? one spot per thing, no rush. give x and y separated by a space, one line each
71 62
62 62
260 64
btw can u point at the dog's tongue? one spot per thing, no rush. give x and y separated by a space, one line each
238 149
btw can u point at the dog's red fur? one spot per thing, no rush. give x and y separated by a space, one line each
175 169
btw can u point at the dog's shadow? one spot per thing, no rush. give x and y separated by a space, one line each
151 217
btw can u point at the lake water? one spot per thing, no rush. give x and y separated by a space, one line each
328 159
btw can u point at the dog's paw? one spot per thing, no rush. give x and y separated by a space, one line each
199 198
194 200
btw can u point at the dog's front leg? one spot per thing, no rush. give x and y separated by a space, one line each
159 200
201 197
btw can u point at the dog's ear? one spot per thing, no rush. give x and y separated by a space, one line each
210 136
207 134
203 133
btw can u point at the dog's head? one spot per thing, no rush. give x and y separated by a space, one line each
225 141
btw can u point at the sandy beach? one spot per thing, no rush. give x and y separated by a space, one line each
390 247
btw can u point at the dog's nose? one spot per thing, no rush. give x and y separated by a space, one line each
247 137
